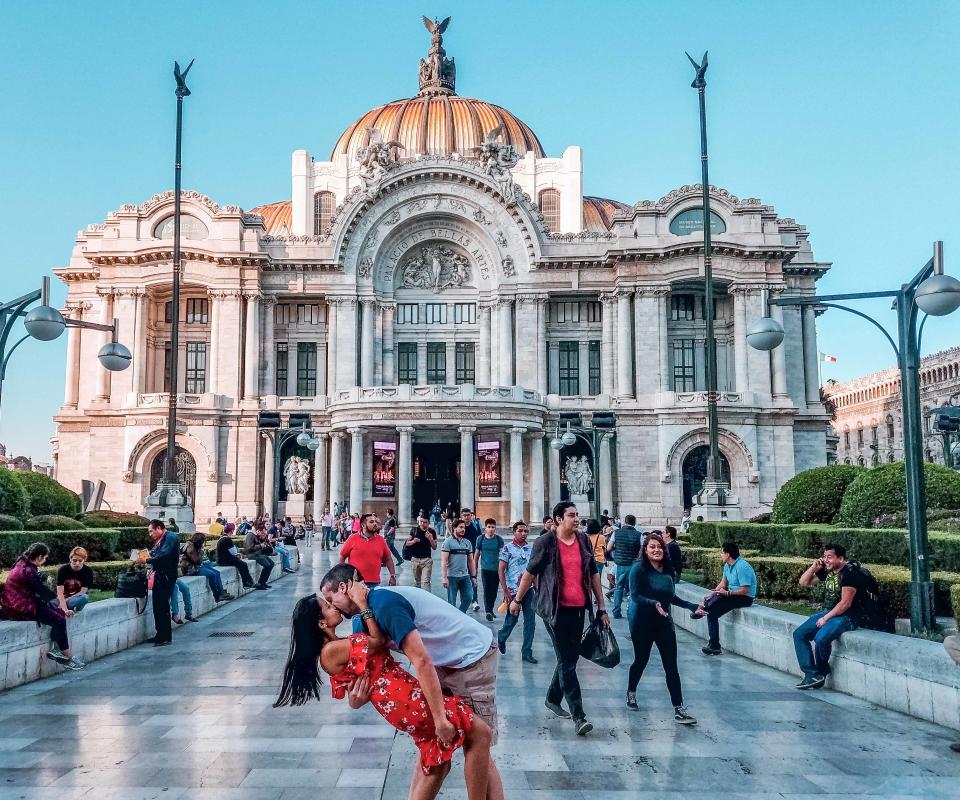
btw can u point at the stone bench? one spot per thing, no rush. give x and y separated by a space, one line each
913 676
105 627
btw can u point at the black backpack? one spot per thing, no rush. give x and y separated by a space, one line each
871 612
133 584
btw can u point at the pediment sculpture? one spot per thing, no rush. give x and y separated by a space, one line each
435 267
374 159
497 159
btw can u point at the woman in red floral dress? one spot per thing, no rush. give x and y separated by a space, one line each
362 664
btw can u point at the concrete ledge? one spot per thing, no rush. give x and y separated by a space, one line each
913 676
105 627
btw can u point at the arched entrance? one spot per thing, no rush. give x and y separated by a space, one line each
694 472
186 472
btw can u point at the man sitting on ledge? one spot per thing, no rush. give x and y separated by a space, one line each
845 589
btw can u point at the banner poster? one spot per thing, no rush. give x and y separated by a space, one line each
489 468
384 469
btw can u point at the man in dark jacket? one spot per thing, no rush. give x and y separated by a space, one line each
626 547
258 547
563 562
164 558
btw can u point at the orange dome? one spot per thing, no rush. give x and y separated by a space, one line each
598 213
439 124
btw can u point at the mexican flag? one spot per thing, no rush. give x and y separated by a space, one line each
828 359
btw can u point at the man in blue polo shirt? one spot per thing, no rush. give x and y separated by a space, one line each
736 589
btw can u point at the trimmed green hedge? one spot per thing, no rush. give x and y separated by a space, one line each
47 496
53 522
133 538
814 495
882 490
8 523
14 499
101 545
112 519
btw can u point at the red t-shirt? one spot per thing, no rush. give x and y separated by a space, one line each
367 555
571 575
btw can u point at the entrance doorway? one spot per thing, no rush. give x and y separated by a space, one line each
436 476
695 472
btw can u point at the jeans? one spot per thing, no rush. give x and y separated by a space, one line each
529 608
490 578
284 554
266 567
817 660
648 628
717 607
77 602
328 540
180 587
464 586
565 635
622 589
422 571
393 549
214 581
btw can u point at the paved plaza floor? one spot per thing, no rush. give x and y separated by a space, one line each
195 721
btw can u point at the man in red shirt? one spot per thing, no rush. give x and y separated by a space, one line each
367 550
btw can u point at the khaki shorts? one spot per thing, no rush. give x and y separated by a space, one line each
477 686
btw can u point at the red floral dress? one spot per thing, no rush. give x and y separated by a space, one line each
397 695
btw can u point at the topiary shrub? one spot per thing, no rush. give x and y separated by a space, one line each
14 500
136 538
882 490
814 495
47 496
53 522
8 523
113 519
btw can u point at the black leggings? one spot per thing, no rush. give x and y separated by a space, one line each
57 622
646 633
491 585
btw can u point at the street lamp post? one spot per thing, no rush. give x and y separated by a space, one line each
937 295
714 487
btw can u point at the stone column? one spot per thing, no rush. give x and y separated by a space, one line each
389 361
778 356
405 475
527 332
666 382
336 468
505 375
542 310
251 351
811 357
332 315
139 344
346 343
554 485
605 493
356 469
71 390
624 345
421 363
320 477
536 478
269 357
367 340
106 317
740 354
583 367
213 352
468 480
484 350
268 475
607 353
516 473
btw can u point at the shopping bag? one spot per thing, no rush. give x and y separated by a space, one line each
599 645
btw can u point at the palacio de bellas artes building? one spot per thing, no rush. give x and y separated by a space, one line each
436 302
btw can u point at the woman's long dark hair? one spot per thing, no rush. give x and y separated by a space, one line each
301 675
666 565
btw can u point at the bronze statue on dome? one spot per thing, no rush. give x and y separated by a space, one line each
438 74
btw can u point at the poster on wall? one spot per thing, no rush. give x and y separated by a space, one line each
488 469
384 469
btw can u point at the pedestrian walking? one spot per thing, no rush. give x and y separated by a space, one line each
390 535
367 551
514 557
419 548
626 548
458 568
487 564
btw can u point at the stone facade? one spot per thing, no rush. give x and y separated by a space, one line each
433 301
869 412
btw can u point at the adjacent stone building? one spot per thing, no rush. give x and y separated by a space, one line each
436 301
869 414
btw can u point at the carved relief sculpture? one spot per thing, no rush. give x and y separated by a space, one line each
437 268
579 475
296 475
497 159
374 159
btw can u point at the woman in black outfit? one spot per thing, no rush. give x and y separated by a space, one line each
652 583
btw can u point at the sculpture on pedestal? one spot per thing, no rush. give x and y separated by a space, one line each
296 475
579 475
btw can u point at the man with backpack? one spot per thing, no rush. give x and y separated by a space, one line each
849 602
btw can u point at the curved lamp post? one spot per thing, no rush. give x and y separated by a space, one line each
936 295
45 324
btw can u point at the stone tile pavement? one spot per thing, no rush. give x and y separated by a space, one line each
195 722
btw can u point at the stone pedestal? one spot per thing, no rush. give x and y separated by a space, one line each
169 501
584 506
296 508
716 503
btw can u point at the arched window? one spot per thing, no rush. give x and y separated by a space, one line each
891 431
550 208
889 458
847 461
860 462
186 471
323 205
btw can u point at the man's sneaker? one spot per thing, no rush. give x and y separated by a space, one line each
74 664
475 607
177 619
489 617
583 727
529 660
288 571
557 709
632 701
224 597
191 618
681 717
711 651
261 586
812 682
56 655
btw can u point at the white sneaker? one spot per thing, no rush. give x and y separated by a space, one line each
475 607
75 664
55 655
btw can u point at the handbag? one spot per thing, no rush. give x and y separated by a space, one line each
133 584
599 645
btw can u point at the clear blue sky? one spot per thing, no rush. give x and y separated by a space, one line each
841 115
